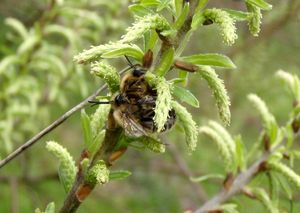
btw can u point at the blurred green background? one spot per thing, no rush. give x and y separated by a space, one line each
37 89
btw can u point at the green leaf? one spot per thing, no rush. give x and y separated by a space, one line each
285 185
119 175
216 60
260 3
132 51
206 177
181 19
166 62
178 7
96 143
50 208
139 10
150 3
237 14
240 153
185 96
86 127
150 39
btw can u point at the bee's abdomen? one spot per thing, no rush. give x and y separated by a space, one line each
171 120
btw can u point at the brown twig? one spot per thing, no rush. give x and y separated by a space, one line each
238 183
185 170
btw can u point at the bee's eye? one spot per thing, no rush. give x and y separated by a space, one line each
120 99
138 72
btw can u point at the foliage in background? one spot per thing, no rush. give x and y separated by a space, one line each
254 78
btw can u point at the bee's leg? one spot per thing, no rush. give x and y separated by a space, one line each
117 154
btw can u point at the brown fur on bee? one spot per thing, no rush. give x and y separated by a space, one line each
134 106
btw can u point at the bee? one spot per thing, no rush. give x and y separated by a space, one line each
133 107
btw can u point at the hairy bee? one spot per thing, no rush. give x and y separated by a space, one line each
133 107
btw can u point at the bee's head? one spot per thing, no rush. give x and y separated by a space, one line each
138 71
120 99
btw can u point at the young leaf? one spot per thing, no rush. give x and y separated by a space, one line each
185 96
260 3
119 175
265 200
285 185
96 142
237 14
216 60
132 51
150 39
86 127
181 19
240 153
206 177
165 62
139 10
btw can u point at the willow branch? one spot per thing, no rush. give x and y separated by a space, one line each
237 185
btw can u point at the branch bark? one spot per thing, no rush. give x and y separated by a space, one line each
238 184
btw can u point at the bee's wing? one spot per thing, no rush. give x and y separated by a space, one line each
131 127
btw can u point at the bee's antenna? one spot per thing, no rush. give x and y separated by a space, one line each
99 102
129 62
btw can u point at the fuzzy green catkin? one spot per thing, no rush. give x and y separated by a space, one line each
268 119
99 173
222 146
154 145
145 24
99 118
286 172
67 168
95 52
108 73
292 81
254 19
225 22
163 101
225 135
189 125
220 94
